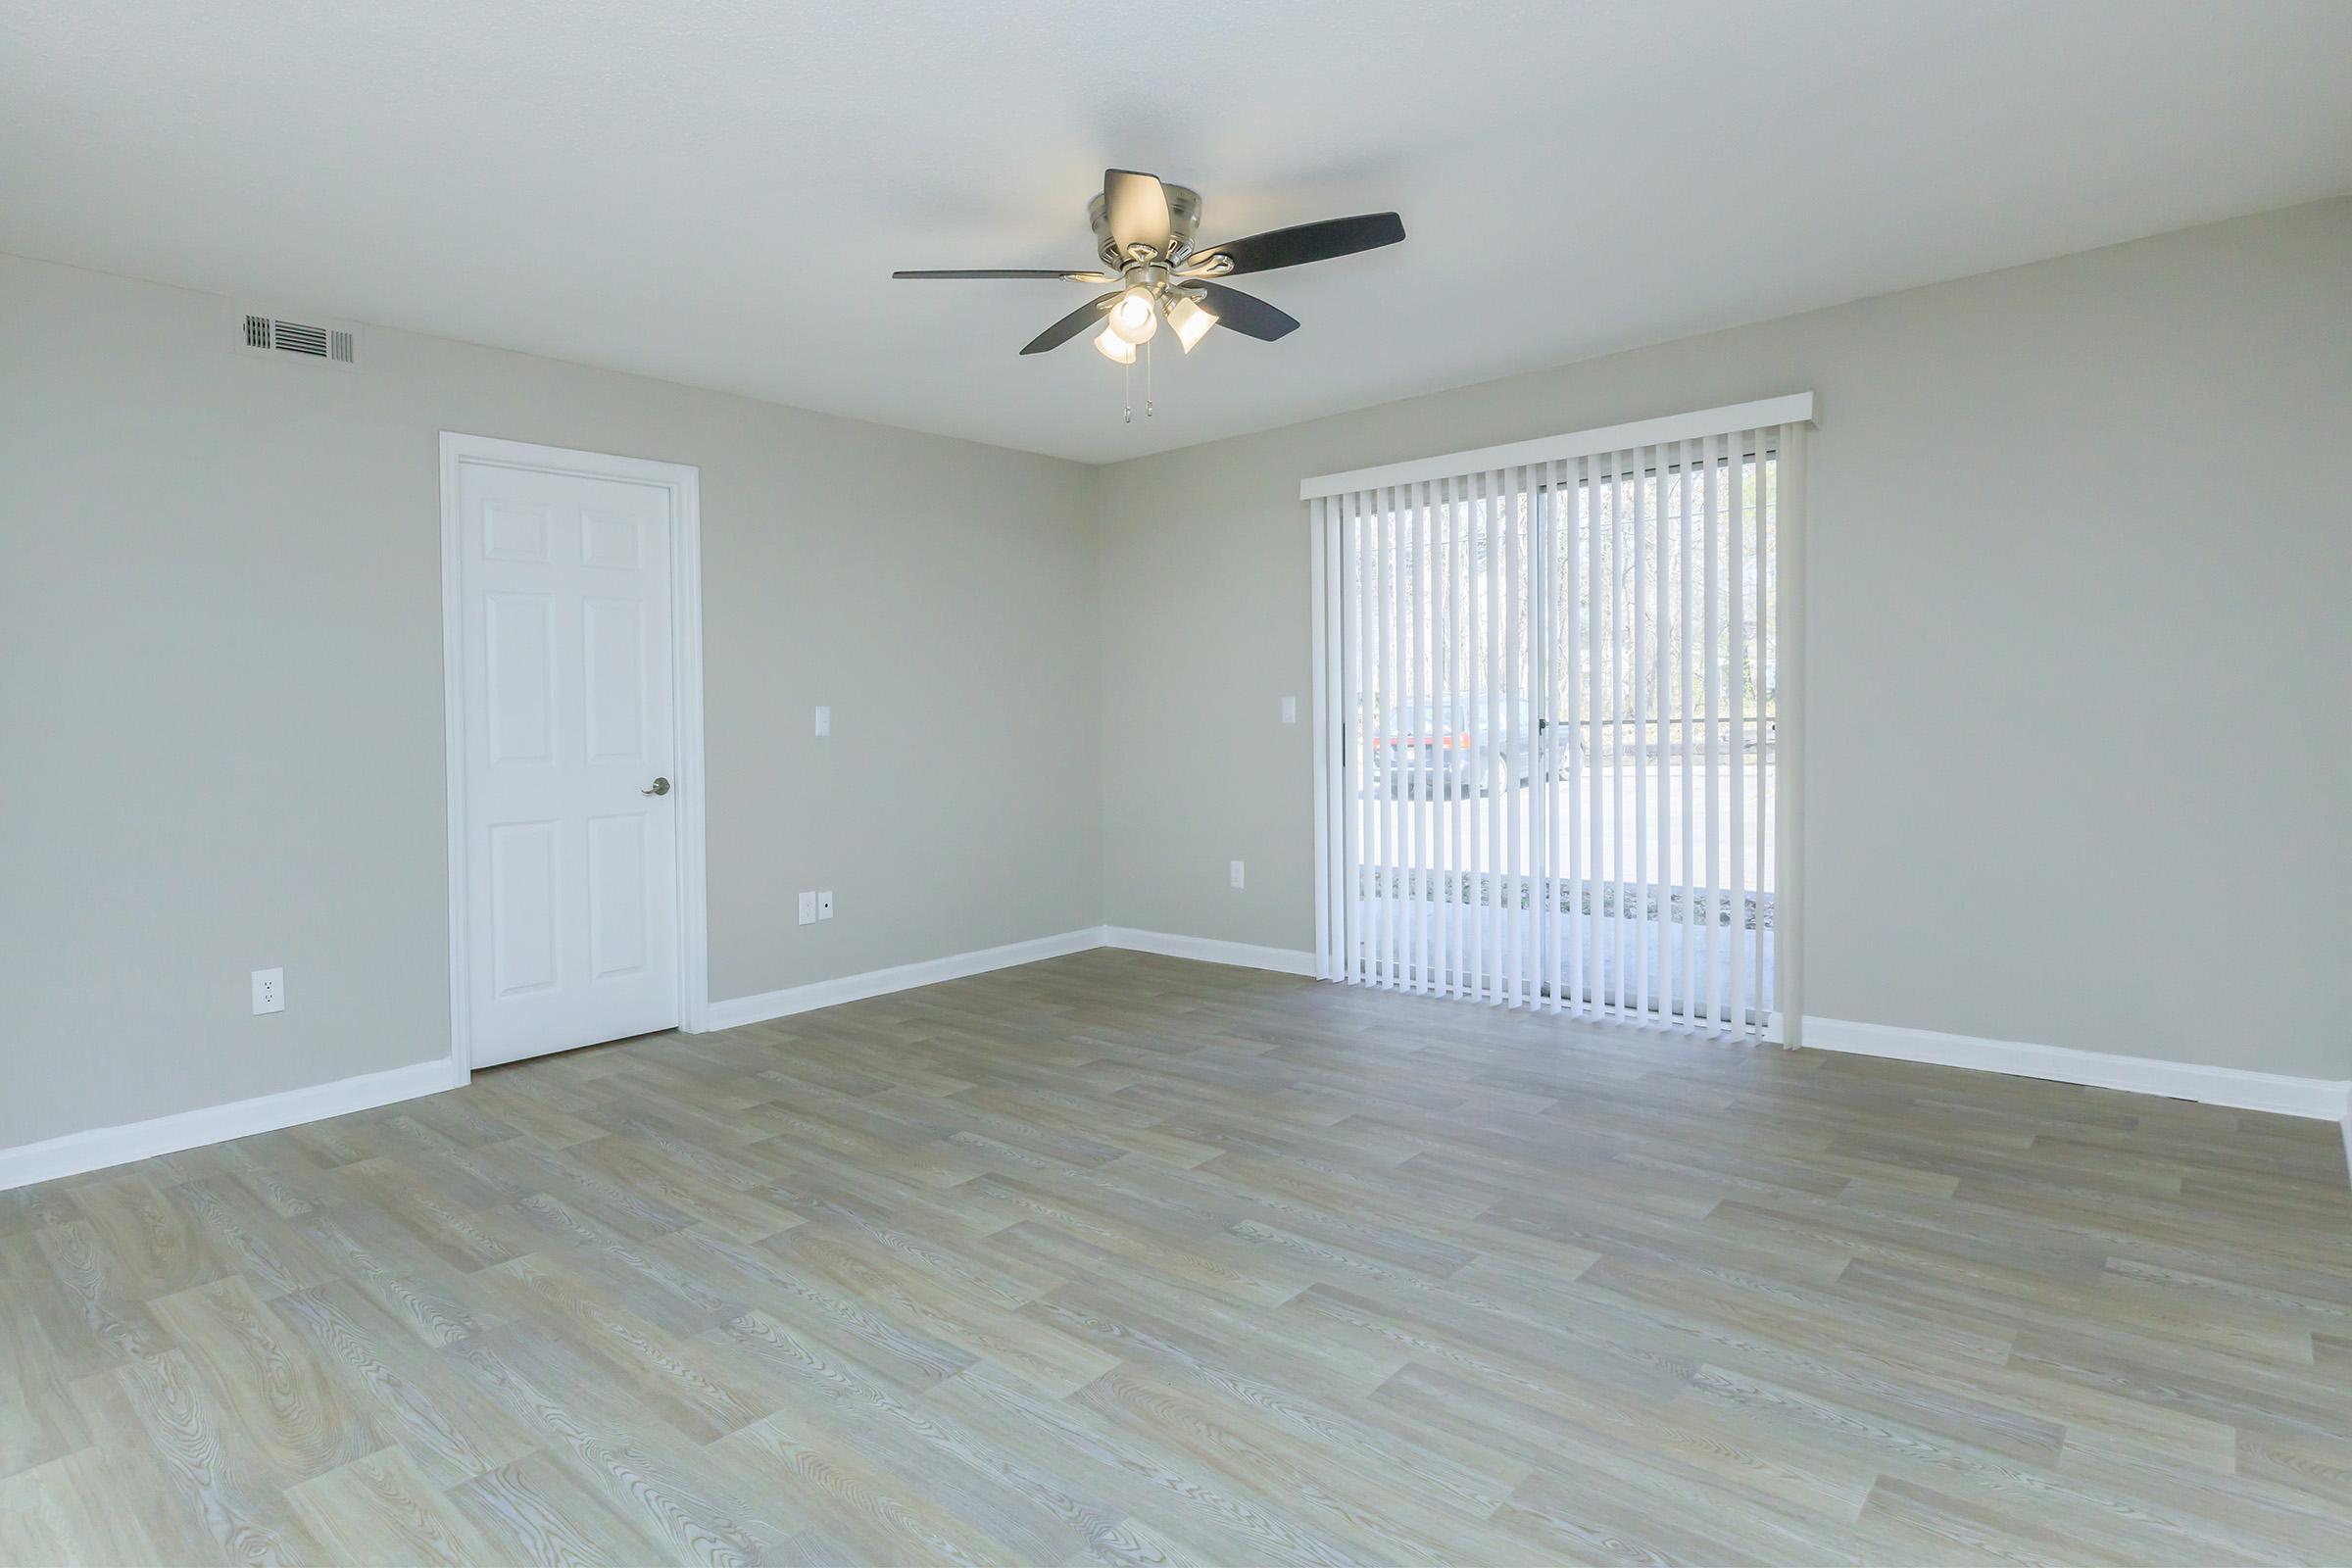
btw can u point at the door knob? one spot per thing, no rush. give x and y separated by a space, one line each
660 787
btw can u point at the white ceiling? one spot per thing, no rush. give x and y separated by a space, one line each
716 192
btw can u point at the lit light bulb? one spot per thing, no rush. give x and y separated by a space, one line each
1191 321
1134 319
1112 346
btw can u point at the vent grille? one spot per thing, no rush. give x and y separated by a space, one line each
296 338
272 335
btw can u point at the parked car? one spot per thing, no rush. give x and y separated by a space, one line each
1426 753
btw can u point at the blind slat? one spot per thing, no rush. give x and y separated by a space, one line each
1409 728
1545 894
1334 725
1693 490
1454 760
1713 633
1366 852
1637 712
1735 860
1514 830
1384 907
1421 729
1319 554
1572 592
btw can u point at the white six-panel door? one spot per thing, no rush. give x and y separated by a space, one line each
570 773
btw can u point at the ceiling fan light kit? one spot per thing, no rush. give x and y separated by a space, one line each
1134 314
1144 232
1191 320
1114 348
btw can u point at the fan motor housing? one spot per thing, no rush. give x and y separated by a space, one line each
1184 221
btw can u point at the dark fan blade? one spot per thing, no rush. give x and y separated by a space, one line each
1246 314
1138 209
1008 271
1302 243
1070 325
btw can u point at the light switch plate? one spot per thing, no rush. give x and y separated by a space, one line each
1290 709
269 991
1237 873
807 908
825 904
824 719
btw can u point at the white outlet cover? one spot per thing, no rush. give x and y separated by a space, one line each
269 991
1290 709
1237 873
824 720
825 904
807 908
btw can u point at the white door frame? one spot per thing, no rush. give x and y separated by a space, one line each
684 484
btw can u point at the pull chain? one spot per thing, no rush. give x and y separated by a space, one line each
1127 377
1147 405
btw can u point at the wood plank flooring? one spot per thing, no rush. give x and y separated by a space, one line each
1116 1258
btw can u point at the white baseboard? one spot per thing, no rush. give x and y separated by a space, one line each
740 1010
101 1146
74 1154
1204 950
2327 1100
77 1152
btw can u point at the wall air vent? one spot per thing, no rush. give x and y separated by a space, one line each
296 338
322 343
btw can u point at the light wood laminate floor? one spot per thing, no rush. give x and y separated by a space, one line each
1119 1258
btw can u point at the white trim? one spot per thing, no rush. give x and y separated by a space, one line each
684 482
1319 567
1205 950
2326 1099
1791 517
1796 408
94 1149
740 1010
101 1146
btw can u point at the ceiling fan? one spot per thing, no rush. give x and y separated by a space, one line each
1144 232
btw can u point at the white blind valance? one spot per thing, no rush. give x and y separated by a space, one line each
1795 408
1551 704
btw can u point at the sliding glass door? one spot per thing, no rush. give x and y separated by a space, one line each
1551 696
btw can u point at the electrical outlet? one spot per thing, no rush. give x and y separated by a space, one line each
1237 873
1290 709
825 904
824 720
269 991
807 908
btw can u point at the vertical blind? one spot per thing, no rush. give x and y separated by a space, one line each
1550 701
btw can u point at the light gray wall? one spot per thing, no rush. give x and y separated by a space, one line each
2081 541
2077 656
221 732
